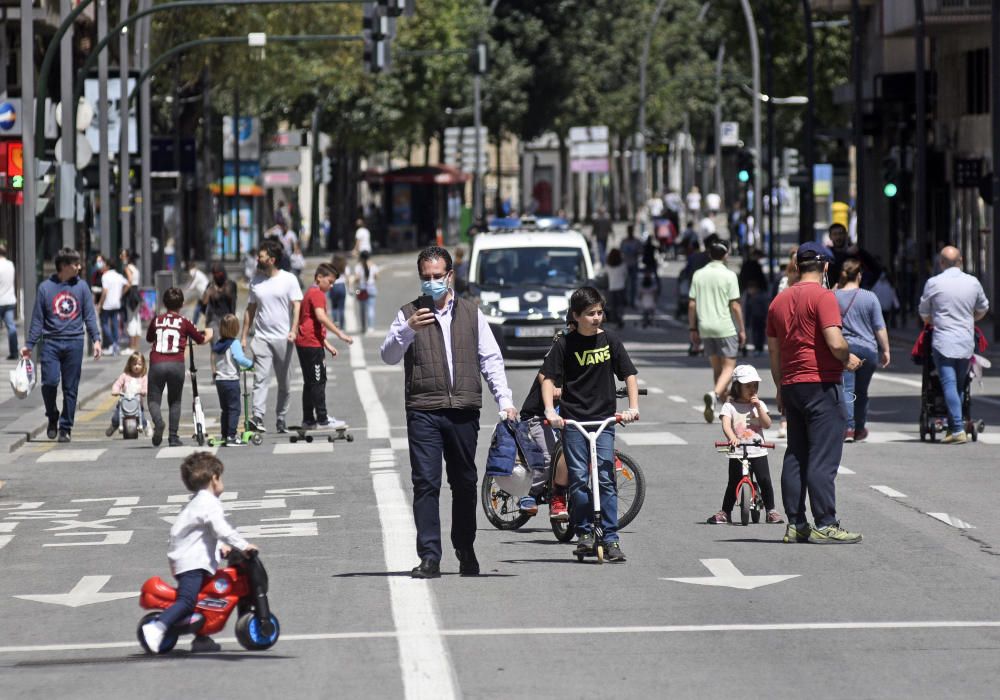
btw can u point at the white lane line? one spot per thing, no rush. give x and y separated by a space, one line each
184 451
58 455
639 439
553 631
677 399
989 438
399 443
844 470
288 448
953 521
897 380
375 415
889 491
423 656
654 390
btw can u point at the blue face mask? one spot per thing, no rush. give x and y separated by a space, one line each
437 289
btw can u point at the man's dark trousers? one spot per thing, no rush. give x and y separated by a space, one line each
817 419
451 433
61 358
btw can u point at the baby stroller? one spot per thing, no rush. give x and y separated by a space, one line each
933 408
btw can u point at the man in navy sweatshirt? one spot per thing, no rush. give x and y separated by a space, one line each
63 305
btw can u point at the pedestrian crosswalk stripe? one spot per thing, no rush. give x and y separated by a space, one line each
288 448
989 438
399 443
879 437
677 399
640 439
58 455
183 451
844 470
889 491
953 521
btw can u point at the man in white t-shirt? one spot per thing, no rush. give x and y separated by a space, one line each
273 316
196 289
362 238
113 287
8 302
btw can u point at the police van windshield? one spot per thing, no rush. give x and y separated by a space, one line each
519 267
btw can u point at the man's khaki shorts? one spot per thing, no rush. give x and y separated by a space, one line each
726 347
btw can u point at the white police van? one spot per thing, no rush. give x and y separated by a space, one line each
523 277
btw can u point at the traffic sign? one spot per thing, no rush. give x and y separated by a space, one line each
8 116
729 133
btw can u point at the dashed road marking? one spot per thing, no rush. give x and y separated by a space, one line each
58 455
289 448
844 470
889 491
654 390
640 439
677 399
897 380
989 438
399 443
953 521
183 451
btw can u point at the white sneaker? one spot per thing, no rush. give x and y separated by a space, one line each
152 632
148 430
709 406
782 432
333 424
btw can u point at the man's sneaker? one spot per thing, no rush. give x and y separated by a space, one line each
955 439
585 544
527 505
833 534
709 407
796 533
774 517
52 429
334 424
613 552
860 435
110 430
782 431
279 426
720 518
256 425
557 508
203 644
64 436
157 435
174 441
152 633
233 441
849 435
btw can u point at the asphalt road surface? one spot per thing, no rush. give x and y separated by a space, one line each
697 610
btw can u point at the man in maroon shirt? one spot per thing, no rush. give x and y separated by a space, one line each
169 334
808 357
311 344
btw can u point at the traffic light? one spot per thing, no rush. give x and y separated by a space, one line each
45 179
890 176
375 23
376 55
392 8
744 165
479 59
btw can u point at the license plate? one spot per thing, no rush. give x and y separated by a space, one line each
533 331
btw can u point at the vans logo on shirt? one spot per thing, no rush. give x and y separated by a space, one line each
593 357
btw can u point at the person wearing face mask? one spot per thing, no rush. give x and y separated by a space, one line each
272 315
445 344
219 299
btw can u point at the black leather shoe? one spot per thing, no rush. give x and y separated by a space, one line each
428 569
52 429
468 565
64 436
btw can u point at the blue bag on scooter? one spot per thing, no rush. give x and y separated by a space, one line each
509 438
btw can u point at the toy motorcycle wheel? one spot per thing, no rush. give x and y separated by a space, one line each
169 640
257 439
130 428
251 635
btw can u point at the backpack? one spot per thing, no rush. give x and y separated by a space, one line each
23 378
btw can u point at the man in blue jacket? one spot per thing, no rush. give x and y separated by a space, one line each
63 305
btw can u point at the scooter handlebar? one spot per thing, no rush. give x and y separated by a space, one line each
755 443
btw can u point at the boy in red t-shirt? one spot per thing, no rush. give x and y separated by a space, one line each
310 343
169 334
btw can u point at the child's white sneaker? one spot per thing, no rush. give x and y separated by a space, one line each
152 633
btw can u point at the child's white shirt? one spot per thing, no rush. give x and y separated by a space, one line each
746 424
195 535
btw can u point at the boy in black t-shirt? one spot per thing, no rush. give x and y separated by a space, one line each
585 363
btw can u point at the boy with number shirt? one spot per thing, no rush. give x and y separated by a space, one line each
169 333
310 343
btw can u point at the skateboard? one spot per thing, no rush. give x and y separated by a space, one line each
332 434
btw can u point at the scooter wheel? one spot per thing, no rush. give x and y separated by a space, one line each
257 439
169 640
599 552
309 438
293 439
250 635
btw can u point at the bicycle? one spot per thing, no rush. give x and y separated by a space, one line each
748 494
502 510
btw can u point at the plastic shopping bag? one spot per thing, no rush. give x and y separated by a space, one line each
23 378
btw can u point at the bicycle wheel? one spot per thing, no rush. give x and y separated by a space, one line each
500 507
631 484
746 500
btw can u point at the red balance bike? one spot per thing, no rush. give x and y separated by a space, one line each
748 496
240 586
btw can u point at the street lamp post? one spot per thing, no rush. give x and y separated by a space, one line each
995 180
755 59
859 131
771 149
124 183
641 118
807 203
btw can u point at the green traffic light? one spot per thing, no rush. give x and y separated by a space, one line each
890 189
744 176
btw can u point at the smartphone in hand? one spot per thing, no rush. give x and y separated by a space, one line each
425 301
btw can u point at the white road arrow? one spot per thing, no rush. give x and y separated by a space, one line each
725 574
86 592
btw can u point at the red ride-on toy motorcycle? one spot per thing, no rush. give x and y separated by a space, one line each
240 586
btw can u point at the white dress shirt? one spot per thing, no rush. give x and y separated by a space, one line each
195 535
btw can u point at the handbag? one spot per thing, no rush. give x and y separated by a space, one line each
361 294
133 298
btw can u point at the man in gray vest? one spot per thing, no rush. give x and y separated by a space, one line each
445 345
